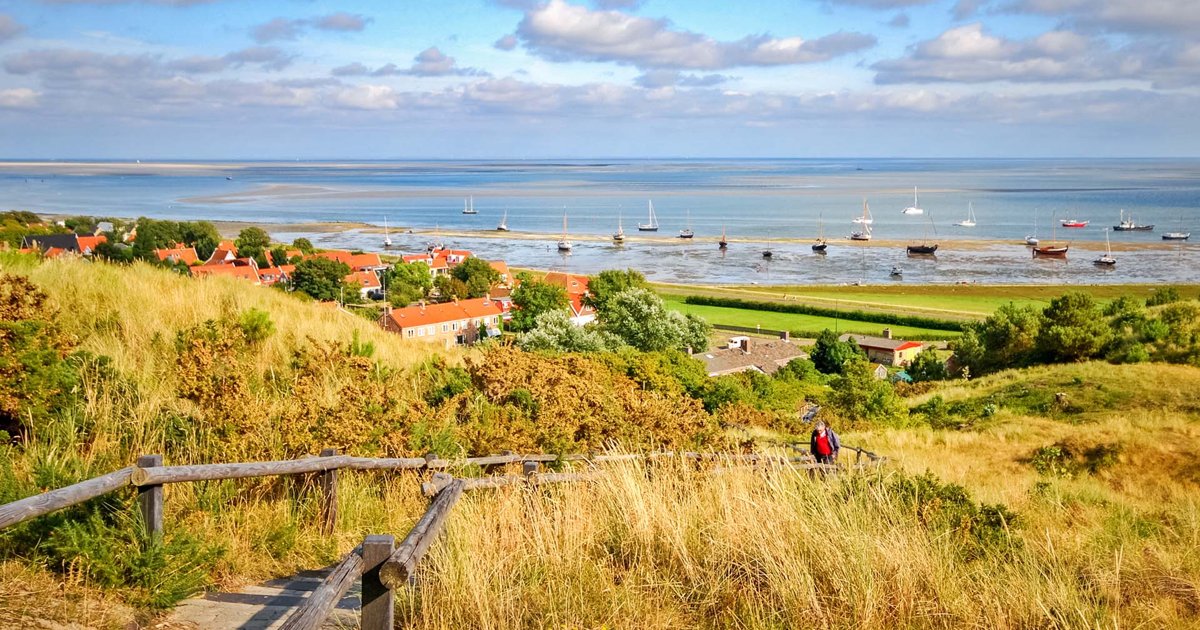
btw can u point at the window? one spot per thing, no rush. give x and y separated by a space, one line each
445 327
409 332
431 330
420 332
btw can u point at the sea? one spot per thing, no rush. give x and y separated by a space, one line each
776 205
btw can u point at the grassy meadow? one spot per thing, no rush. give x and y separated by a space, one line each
1076 511
810 325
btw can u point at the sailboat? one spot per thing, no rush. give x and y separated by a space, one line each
722 244
469 206
1178 234
387 238
820 245
915 208
863 234
619 236
687 232
1107 259
925 249
970 220
1032 239
1053 250
652 224
564 245
503 227
866 218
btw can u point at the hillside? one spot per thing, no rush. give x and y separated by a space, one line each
1038 510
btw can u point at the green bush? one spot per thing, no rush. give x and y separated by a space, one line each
1070 460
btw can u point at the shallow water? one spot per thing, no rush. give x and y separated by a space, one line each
751 199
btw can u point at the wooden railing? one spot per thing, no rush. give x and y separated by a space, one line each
382 565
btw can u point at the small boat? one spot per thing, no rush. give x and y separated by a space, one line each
767 254
503 227
1107 259
896 272
687 232
861 235
915 208
387 238
925 248
564 245
1176 236
1050 251
652 224
1074 223
970 220
469 206
619 235
821 244
866 218
1032 239
1129 225
722 244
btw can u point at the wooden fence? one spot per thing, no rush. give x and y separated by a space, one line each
379 563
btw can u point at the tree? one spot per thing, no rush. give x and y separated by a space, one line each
534 297
927 366
1074 329
830 355
859 396
603 286
201 235
253 242
1164 295
450 288
639 318
322 278
153 234
477 275
304 245
408 282
553 331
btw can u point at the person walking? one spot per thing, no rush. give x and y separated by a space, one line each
824 444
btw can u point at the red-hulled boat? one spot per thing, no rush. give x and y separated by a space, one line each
1073 223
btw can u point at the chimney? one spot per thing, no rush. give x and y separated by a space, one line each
887 333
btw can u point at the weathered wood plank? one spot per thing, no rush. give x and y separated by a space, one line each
378 601
435 485
385 463
543 478
402 565
150 500
328 483
320 604
39 504
208 472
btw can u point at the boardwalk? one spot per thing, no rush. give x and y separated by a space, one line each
260 607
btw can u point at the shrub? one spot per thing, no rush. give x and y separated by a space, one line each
1164 295
1064 459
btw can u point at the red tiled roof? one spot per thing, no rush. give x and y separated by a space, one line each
185 255
271 275
573 283
445 312
500 266
235 271
364 279
89 243
221 255
356 262
909 344
54 252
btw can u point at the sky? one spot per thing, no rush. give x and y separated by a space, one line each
528 79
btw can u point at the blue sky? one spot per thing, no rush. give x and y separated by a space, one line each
230 79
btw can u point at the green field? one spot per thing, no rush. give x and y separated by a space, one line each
942 301
794 322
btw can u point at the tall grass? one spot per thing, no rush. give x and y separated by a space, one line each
681 549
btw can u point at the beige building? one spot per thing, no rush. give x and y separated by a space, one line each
449 323
885 350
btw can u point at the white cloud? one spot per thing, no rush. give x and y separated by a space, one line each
1129 16
561 31
9 27
368 97
288 29
18 98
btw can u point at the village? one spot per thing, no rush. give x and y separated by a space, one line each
442 318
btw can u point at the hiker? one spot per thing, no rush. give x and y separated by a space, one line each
824 444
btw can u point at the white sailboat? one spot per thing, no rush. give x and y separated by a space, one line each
916 207
687 232
469 206
652 224
1032 239
503 227
564 245
864 233
619 235
387 238
866 218
1107 259
970 220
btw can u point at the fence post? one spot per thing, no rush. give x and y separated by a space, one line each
150 499
328 483
530 469
378 601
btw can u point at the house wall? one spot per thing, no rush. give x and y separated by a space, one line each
879 355
905 357
444 332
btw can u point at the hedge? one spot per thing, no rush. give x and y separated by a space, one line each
915 321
